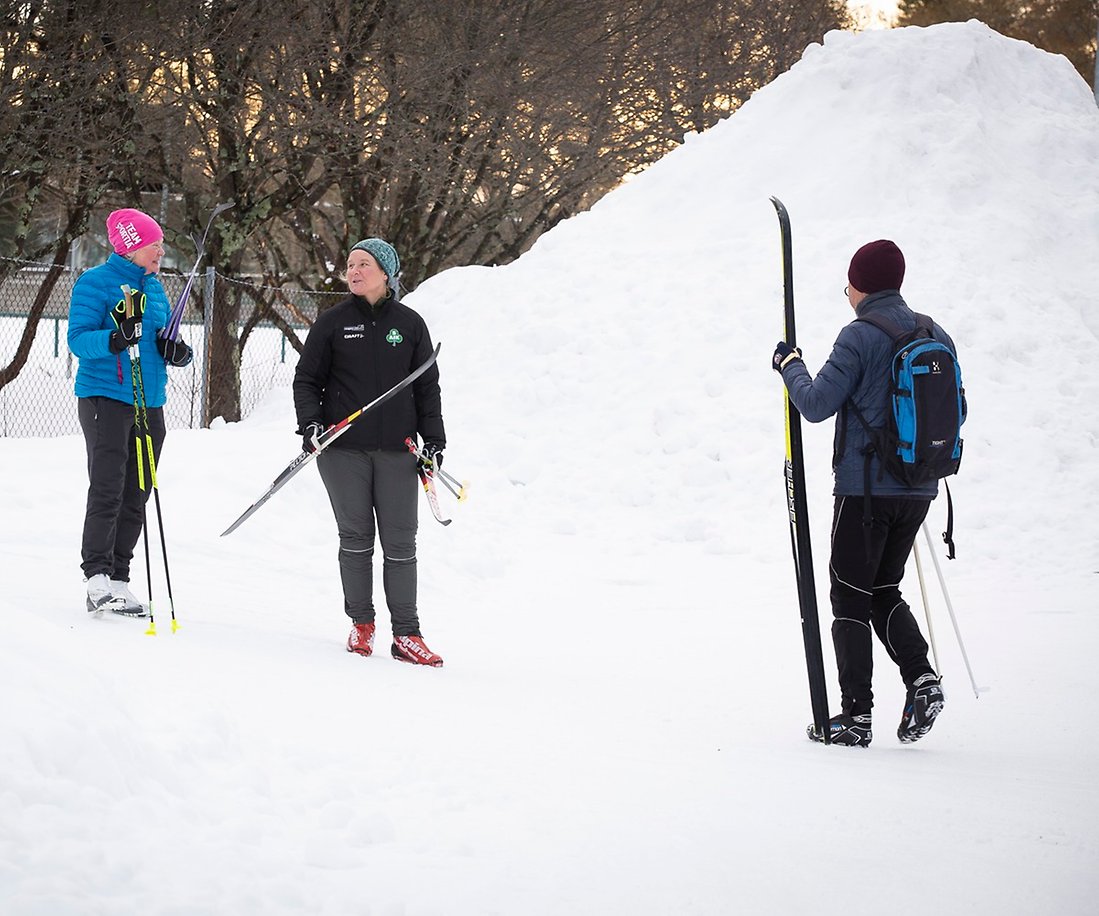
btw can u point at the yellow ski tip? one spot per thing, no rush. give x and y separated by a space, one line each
175 625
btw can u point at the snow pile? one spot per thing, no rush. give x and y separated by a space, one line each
619 727
644 325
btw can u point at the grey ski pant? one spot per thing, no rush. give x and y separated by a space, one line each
375 490
115 509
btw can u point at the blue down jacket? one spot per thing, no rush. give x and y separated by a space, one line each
858 368
102 373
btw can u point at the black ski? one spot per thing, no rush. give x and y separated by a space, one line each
797 507
329 436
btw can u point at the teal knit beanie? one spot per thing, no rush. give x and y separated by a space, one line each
386 256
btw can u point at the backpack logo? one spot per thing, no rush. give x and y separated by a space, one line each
394 337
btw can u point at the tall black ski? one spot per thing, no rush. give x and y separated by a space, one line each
797 507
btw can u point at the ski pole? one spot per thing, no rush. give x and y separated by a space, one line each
159 516
142 418
449 483
457 487
950 609
159 510
139 406
927 610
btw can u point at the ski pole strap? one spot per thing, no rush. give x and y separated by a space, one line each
867 510
841 441
948 535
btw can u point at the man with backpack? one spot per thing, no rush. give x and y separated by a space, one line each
885 479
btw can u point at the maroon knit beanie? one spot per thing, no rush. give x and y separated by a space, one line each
876 266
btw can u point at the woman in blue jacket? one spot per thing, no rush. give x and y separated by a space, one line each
103 337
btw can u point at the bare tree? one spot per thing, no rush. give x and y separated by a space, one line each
67 133
460 131
467 129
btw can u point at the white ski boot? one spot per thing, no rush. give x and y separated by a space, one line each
128 606
100 595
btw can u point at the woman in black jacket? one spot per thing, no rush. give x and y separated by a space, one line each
354 352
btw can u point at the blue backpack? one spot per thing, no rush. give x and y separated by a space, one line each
921 440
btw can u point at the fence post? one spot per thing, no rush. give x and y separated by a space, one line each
207 324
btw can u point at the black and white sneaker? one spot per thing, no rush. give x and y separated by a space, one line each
921 707
100 596
849 731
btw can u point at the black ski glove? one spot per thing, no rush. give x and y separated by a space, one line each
784 355
432 456
127 335
129 329
175 352
309 434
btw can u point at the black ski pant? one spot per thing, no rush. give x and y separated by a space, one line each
116 503
865 570
375 491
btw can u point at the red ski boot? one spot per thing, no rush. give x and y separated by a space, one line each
361 640
413 650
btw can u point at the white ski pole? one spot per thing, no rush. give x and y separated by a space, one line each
950 608
927 610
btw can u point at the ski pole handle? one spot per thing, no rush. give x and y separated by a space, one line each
452 483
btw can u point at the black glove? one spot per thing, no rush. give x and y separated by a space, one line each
127 335
175 352
309 434
784 355
432 456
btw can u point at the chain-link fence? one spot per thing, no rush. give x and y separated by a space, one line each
39 399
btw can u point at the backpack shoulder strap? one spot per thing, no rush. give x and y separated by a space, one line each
925 327
894 330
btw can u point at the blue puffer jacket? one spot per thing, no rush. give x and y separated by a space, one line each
859 368
102 373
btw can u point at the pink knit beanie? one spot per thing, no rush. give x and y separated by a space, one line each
129 230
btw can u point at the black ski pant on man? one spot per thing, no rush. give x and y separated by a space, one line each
375 491
865 570
116 501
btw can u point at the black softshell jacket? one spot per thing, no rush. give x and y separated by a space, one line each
351 356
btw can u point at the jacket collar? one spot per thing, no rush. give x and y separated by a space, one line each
128 269
878 300
373 312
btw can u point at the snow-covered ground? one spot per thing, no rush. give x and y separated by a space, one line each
619 727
